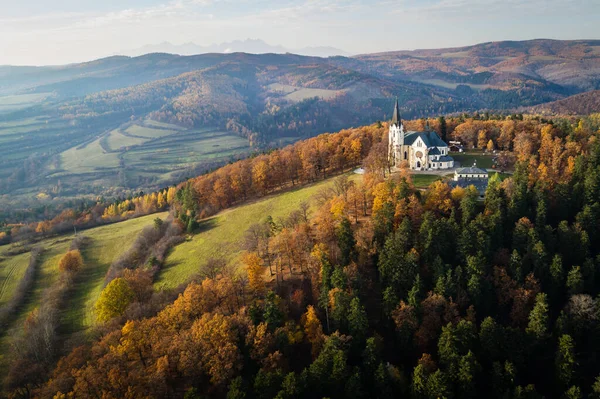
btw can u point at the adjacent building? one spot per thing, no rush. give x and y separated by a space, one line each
471 176
420 150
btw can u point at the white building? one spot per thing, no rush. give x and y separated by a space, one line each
471 176
421 150
471 173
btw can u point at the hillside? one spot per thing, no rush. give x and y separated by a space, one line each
578 104
380 290
69 132
546 65
221 235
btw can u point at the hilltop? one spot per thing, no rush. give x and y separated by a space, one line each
560 66
578 104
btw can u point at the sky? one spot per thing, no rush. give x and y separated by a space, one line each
45 32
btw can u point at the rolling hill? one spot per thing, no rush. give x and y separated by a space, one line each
578 104
217 235
64 129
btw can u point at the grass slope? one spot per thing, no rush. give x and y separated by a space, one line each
12 270
223 235
467 159
107 243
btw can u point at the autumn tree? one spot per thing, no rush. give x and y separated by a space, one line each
71 262
114 299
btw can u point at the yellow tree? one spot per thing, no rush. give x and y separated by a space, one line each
114 299
313 329
260 175
482 139
255 273
217 344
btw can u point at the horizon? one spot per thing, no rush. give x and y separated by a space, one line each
69 31
123 54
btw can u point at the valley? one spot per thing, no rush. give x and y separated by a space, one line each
117 126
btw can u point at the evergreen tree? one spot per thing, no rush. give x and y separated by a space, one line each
346 241
565 360
443 128
575 281
358 324
538 318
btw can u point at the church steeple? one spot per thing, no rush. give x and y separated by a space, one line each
396 117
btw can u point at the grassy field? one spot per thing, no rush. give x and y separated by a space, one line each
149 132
12 270
117 140
88 159
106 244
452 85
297 94
423 181
222 236
467 159
21 101
148 154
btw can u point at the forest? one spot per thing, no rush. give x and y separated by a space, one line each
379 289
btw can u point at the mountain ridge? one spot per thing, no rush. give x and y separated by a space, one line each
251 46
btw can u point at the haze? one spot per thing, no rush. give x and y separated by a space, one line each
38 32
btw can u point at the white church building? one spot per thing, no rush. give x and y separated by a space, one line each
421 150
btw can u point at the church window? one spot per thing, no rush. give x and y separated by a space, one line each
405 155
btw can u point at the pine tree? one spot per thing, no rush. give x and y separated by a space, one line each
575 281
538 318
358 324
346 241
565 359
443 128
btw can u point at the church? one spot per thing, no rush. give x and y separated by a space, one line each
422 150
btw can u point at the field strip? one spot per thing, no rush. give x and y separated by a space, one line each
12 267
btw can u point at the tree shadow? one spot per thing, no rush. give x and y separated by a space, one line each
205 225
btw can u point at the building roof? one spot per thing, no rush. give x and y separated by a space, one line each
446 158
431 139
471 170
434 151
480 185
396 117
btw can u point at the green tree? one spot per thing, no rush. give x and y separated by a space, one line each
565 359
358 324
538 318
595 394
467 375
557 276
291 387
272 313
575 281
490 336
438 386
443 128
346 241
573 392
236 389
114 299
267 383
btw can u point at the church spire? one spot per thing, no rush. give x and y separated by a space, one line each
396 117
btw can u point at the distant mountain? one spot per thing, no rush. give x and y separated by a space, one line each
579 104
562 67
250 46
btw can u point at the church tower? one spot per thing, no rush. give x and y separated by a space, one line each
396 136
